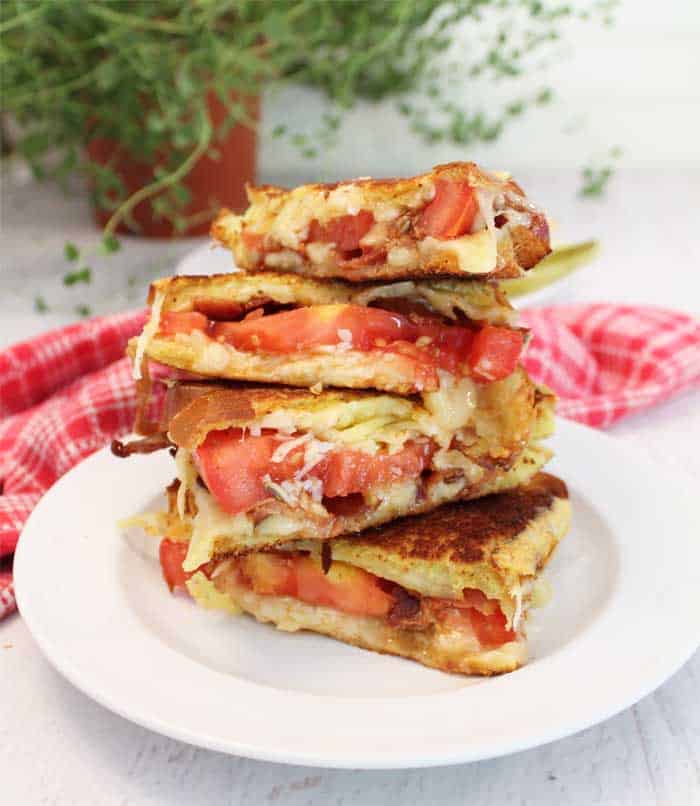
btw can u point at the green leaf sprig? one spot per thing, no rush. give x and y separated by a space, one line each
139 73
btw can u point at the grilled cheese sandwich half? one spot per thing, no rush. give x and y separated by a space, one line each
405 337
260 467
450 589
455 220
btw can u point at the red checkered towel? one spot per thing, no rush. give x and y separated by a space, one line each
67 393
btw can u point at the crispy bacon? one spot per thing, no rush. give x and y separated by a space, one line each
326 557
149 444
407 612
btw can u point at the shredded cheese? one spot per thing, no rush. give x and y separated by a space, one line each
345 337
518 614
314 453
283 450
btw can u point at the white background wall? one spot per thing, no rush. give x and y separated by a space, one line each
635 84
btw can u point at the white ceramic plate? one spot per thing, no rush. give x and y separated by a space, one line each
625 615
209 258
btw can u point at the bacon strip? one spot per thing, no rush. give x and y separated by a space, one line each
149 444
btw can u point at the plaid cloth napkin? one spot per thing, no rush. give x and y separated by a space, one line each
67 393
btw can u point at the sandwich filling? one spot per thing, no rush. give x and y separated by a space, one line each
477 622
455 216
257 467
419 345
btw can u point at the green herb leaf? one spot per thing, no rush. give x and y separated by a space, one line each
83 310
110 244
71 251
83 275
595 178
40 305
143 75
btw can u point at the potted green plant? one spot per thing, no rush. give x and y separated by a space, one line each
155 101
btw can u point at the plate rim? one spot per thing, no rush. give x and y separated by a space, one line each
23 571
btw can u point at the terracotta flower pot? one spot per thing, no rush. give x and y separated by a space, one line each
213 183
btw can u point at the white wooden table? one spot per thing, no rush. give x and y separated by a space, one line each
58 747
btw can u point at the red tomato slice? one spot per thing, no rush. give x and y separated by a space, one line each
452 212
478 600
172 322
490 629
233 468
363 328
495 352
269 574
492 352
344 587
369 255
306 328
252 241
345 232
347 472
172 554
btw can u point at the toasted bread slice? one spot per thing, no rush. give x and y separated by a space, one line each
231 296
431 569
383 229
492 544
502 415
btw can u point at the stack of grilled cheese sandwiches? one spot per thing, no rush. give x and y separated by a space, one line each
357 448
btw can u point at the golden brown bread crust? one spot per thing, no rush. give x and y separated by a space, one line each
181 291
496 543
503 415
380 189
517 247
198 409
466 532
528 248
479 301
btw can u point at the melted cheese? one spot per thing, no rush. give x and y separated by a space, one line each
186 473
215 530
207 596
286 220
517 615
453 405
210 525
476 253
147 335
319 252
402 256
